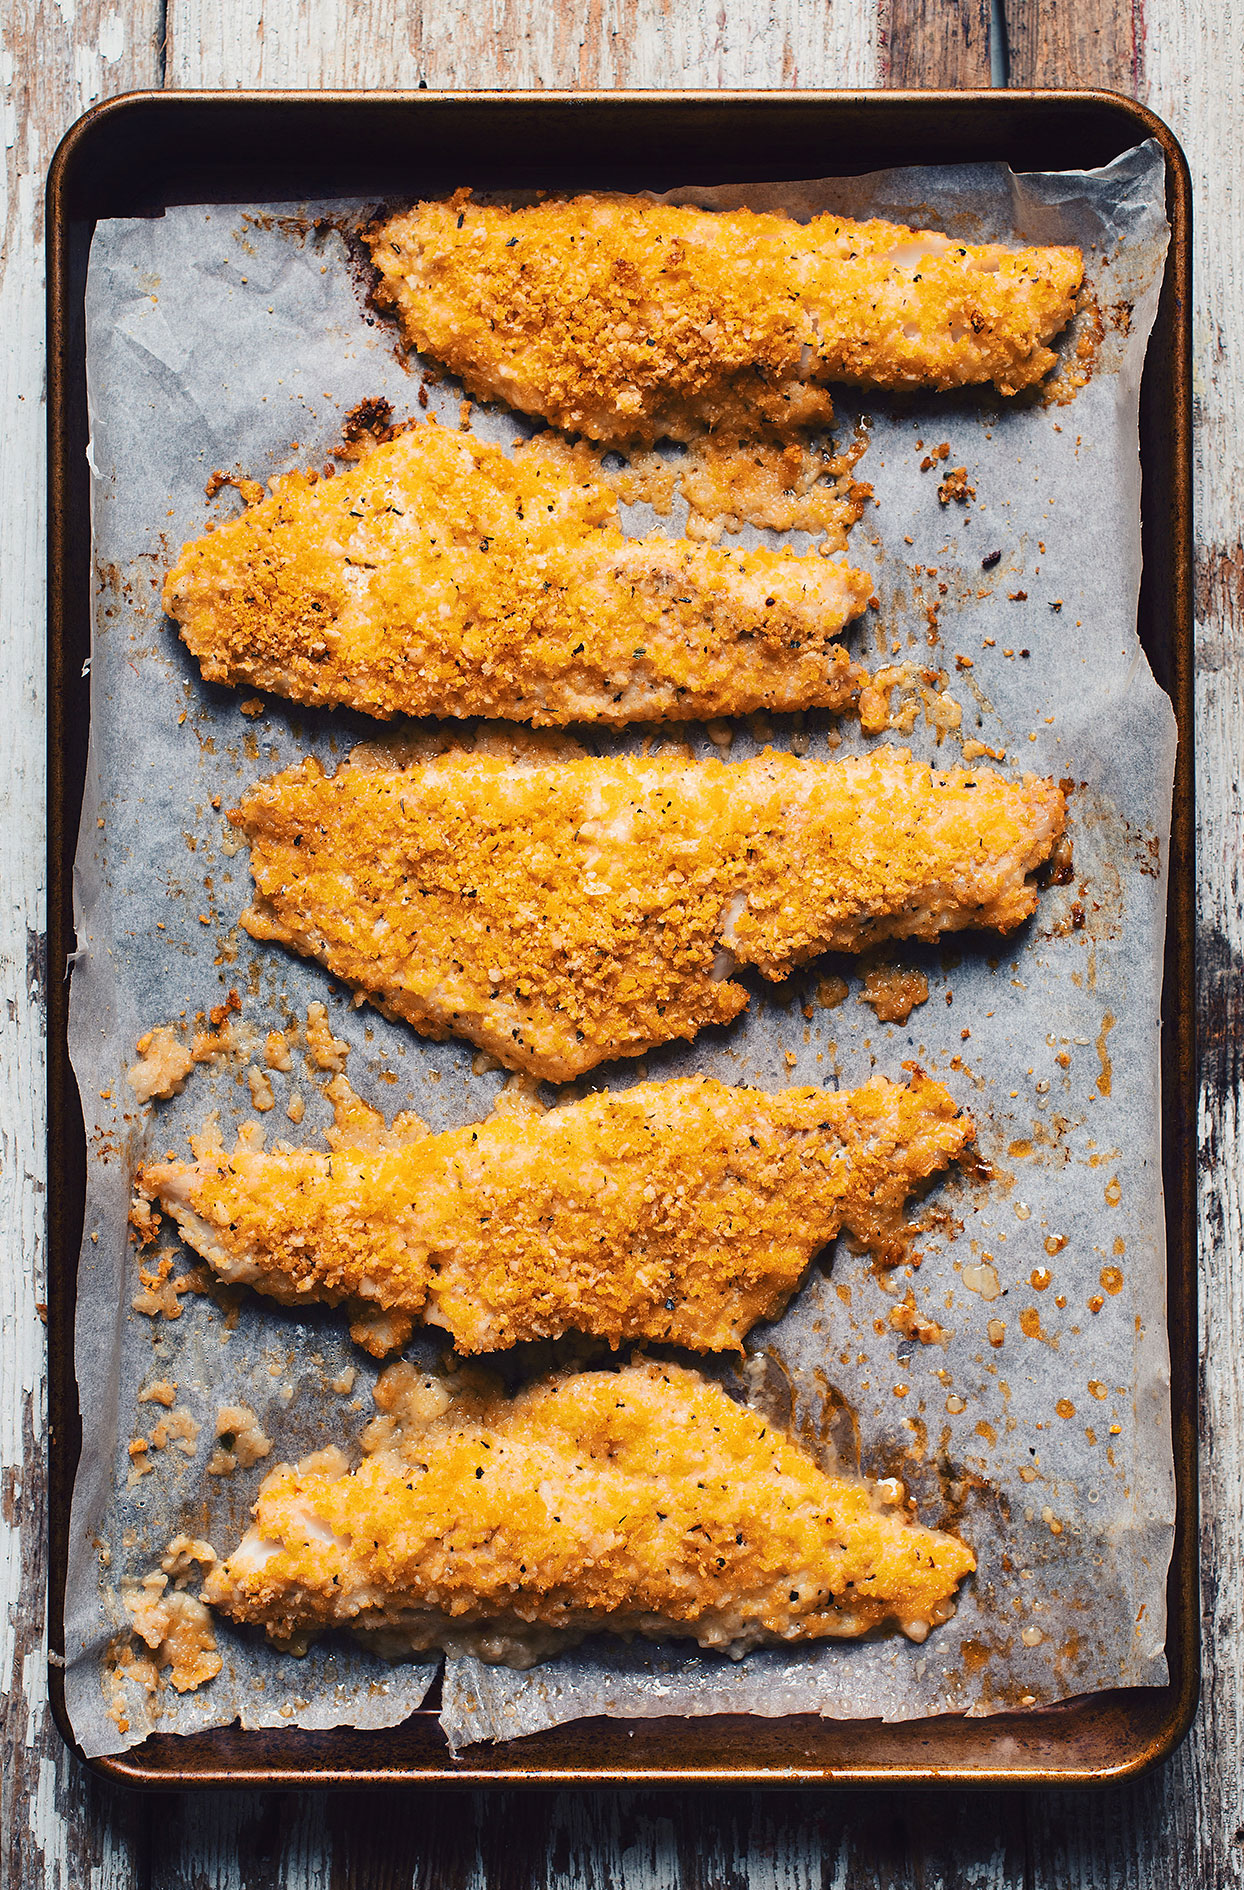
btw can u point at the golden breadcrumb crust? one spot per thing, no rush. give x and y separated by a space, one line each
642 1500
681 1211
558 915
621 318
441 576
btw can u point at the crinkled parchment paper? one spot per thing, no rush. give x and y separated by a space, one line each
1037 1422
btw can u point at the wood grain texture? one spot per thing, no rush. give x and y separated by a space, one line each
934 43
1193 79
513 43
1077 42
55 60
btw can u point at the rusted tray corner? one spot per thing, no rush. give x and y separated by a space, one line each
138 153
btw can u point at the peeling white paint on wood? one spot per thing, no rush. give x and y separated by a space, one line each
54 66
56 1827
515 43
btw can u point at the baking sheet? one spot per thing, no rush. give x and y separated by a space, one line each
216 338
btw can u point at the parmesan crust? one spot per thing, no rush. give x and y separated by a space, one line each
439 576
680 1211
643 1501
559 914
621 318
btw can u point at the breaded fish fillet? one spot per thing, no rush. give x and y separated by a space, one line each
643 1501
681 1211
440 576
558 915
621 318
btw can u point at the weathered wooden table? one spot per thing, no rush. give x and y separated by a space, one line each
1186 1823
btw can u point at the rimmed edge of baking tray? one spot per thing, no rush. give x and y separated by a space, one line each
138 152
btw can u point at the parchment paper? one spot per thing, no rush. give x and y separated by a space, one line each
1039 1422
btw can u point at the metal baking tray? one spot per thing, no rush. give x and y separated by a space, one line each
136 154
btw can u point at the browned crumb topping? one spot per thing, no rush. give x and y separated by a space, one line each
622 318
441 576
660 1213
643 1501
560 914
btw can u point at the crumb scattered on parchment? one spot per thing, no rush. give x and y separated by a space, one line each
260 1084
163 1065
240 1441
159 1297
276 1050
729 479
913 1324
919 688
784 486
145 1220
327 1052
180 1429
646 478
184 1555
211 1046
356 1125
894 991
254 705
295 1108
163 1391
831 992
343 1383
976 751
172 1640
141 1461
250 490
982 1277
941 452
955 486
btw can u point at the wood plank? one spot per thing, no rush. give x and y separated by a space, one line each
1186 1824
934 43
56 1827
625 1840
1077 42
338 43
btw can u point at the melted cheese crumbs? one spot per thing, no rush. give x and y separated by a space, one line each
439 576
661 1213
618 317
644 1501
558 915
